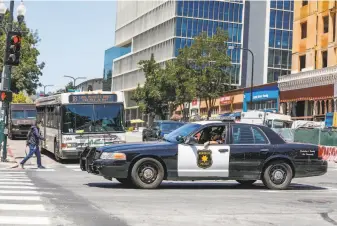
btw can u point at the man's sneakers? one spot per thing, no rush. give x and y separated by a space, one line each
41 167
21 164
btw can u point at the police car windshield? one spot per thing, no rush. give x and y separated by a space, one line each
182 131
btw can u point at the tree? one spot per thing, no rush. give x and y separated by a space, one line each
181 81
26 76
152 98
21 98
209 65
70 85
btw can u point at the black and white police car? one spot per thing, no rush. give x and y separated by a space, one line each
208 150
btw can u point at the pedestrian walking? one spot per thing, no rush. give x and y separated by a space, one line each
33 142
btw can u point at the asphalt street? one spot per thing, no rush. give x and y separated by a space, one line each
64 195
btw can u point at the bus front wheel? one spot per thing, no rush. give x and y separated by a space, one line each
56 152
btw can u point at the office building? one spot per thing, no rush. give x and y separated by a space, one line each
309 92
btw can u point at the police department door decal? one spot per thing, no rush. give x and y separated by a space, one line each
204 159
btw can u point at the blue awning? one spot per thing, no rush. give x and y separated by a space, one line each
235 114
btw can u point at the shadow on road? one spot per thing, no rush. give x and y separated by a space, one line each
51 156
208 185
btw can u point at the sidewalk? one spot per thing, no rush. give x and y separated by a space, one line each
11 161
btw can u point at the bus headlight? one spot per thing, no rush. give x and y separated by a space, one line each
113 155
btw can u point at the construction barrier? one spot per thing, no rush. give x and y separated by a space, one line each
329 153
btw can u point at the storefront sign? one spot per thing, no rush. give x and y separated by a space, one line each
262 95
194 102
226 100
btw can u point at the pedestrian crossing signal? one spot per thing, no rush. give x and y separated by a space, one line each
13 48
6 96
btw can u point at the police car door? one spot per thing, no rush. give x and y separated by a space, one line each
196 161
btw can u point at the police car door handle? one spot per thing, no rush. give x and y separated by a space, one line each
264 150
223 150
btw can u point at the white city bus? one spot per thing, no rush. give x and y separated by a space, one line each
72 121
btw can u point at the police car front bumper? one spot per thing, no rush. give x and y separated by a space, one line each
110 168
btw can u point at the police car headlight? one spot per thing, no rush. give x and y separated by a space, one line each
114 155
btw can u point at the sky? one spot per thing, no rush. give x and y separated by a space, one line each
74 36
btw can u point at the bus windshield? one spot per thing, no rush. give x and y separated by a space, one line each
23 114
93 118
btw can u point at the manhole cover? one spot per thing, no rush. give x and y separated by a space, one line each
312 201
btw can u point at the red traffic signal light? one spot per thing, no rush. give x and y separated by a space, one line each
13 48
15 39
6 96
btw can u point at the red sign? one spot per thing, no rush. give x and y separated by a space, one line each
194 102
225 100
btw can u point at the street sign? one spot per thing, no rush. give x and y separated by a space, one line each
6 96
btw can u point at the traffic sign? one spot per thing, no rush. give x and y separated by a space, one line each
6 96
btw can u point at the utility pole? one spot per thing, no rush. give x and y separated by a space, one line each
44 89
74 79
9 60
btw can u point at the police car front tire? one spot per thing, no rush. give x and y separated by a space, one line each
246 182
277 175
147 173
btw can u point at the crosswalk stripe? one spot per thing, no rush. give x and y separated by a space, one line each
14 183
18 192
4 220
11 172
15 179
72 166
32 207
18 187
44 170
77 170
21 198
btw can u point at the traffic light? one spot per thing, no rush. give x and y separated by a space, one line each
13 48
6 96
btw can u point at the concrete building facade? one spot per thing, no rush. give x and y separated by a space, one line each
310 91
95 84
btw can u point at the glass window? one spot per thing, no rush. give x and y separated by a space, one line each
302 62
279 4
270 75
272 18
285 58
16 114
291 21
231 12
230 32
278 37
190 8
199 26
177 45
240 12
277 58
180 8
303 30
276 75
216 10
242 134
93 118
201 8
239 32
324 59
290 40
270 57
210 28
195 9
178 32
211 9
289 60
286 21
205 25
31 114
206 10
273 4
326 24
271 38
215 26
184 27
285 39
221 10
189 42
195 27
236 13
225 27
235 32
185 8
182 131
304 2
279 18
292 5
287 4
226 10
189 27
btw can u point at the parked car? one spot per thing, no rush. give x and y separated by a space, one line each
159 129
208 150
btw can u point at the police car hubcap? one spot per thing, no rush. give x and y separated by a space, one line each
278 174
147 173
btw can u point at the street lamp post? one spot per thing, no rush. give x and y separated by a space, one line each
7 69
252 77
44 88
74 84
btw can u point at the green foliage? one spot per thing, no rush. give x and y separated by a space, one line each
209 65
153 97
70 85
21 98
26 76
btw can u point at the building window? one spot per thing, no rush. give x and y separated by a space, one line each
302 62
303 30
304 3
326 24
324 59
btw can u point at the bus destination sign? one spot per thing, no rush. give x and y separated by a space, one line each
93 98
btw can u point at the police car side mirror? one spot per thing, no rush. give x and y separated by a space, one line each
191 140
206 144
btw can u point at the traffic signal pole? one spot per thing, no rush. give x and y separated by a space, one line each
6 83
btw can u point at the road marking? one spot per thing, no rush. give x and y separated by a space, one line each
18 187
72 166
14 220
21 198
77 170
15 179
44 170
11 172
15 183
18 192
32 207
